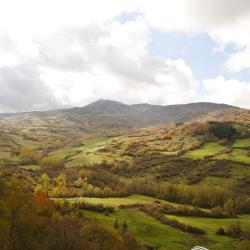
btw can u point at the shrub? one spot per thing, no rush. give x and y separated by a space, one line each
221 231
91 207
222 130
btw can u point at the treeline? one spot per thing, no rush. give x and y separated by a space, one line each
31 221
223 202
217 198
154 212
30 156
216 212
81 205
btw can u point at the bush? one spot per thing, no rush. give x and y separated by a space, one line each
155 213
91 207
221 231
222 130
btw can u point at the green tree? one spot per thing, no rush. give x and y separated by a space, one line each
124 225
116 225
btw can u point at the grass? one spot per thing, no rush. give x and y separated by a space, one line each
152 233
84 155
31 167
218 181
87 154
146 229
115 202
65 153
215 150
211 226
87 159
240 155
209 149
242 143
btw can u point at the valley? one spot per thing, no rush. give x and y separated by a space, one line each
171 176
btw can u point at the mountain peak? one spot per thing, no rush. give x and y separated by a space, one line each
104 106
104 101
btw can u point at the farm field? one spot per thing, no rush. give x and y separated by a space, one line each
147 230
216 151
240 155
91 152
209 149
212 225
116 202
152 233
242 143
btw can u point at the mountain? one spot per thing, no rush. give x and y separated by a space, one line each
139 115
107 114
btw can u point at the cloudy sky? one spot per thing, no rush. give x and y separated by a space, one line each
65 53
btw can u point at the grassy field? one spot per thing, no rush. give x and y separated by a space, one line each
90 153
242 143
215 151
211 226
115 202
152 233
147 230
209 149
221 181
240 155
31 167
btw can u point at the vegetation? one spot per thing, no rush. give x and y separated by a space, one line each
32 221
99 180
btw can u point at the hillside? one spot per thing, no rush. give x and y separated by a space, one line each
145 170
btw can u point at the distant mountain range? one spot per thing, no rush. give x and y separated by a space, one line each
143 114
108 114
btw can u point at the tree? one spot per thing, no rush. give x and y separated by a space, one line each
124 225
222 130
29 156
45 183
61 183
116 224
230 208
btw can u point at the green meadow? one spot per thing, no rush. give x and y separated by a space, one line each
208 149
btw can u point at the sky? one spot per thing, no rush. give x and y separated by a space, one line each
65 53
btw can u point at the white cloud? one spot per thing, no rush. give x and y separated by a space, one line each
239 60
232 92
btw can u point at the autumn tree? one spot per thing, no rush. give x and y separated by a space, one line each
61 184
